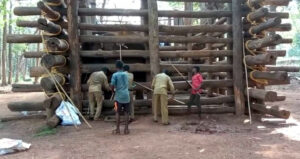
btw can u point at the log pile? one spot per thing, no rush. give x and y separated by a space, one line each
256 59
74 47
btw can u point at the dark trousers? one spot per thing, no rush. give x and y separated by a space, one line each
194 100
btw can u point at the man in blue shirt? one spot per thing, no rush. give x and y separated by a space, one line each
119 83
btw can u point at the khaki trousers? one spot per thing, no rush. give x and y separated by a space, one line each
160 103
131 105
95 98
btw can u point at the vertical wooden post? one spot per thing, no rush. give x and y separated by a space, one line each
238 80
153 37
75 73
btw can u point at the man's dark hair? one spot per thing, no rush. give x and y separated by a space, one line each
126 68
105 70
197 68
165 71
119 64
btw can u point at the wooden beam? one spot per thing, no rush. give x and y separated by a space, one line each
271 110
32 54
153 37
269 40
140 67
26 88
75 72
238 84
260 59
195 53
283 68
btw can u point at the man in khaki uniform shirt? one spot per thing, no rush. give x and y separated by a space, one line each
126 68
96 82
161 84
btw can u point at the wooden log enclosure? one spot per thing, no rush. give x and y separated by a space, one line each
76 47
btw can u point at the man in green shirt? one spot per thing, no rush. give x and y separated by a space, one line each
161 84
96 82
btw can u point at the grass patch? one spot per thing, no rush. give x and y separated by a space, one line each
45 131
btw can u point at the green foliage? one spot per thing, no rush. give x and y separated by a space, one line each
295 50
45 131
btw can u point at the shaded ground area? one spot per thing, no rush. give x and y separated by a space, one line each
214 137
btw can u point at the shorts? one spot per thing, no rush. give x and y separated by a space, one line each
122 107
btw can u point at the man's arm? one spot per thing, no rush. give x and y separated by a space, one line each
113 82
171 86
153 82
106 85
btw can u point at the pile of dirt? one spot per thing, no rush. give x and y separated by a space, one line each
211 127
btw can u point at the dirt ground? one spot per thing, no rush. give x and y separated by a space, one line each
214 137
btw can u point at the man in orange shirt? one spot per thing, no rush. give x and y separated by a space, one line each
196 90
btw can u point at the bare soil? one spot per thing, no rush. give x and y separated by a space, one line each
213 137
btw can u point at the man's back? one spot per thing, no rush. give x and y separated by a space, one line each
120 81
96 81
130 79
161 83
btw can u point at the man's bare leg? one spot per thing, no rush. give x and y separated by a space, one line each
117 131
126 129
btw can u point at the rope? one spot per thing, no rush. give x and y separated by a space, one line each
68 97
44 14
52 4
53 34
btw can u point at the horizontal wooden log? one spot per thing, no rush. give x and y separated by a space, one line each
281 27
271 111
264 42
115 53
25 106
25 23
195 53
34 24
88 68
49 12
48 84
26 88
194 29
114 27
27 11
48 26
113 39
286 41
38 71
260 94
162 54
277 53
123 39
172 48
57 45
276 2
162 28
278 28
194 14
281 98
24 38
53 61
33 54
194 39
283 68
265 25
38 106
260 59
257 14
278 75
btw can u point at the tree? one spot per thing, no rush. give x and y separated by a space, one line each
10 45
3 7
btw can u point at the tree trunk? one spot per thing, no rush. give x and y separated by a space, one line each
10 46
4 50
